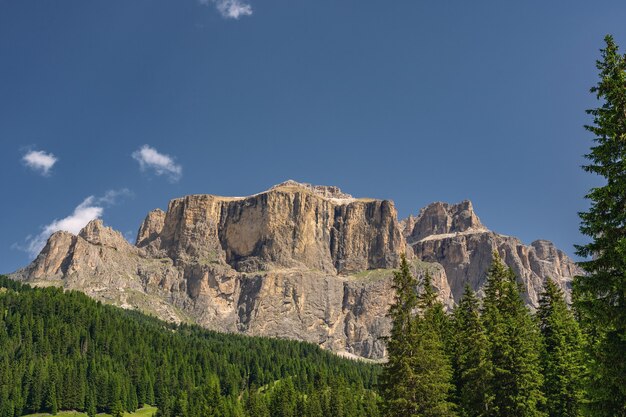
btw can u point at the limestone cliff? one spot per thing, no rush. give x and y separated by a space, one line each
297 261
454 237
291 225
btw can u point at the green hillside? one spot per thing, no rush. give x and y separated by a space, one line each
63 351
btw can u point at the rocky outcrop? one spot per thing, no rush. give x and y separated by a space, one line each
454 237
297 261
151 229
102 264
290 225
442 218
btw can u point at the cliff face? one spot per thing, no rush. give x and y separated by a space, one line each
297 261
290 225
454 237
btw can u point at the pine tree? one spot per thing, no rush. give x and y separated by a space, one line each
472 368
51 399
90 404
300 407
117 410
416 378
434 365
561 357
515 386
313 406
336 403
399 376
600 295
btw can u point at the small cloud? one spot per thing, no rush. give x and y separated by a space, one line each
230 9
89 209
161 164
83 214
111 197
40 161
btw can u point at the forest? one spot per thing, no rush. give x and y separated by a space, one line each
63 351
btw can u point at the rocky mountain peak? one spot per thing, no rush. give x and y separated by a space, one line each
292 225
326 191
442 218
151 227
96 233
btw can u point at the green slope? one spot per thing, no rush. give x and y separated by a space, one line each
63 351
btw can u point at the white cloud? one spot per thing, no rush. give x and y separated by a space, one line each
83 214
91 208
111 196
230 9
40 161
161 164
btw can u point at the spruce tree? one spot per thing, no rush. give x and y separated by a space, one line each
515 386
51 399
600 295
416 378
90 404
399 378
472 368
435 386
561 354
117 410
313 405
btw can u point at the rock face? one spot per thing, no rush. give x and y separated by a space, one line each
297 261
454 237
288 226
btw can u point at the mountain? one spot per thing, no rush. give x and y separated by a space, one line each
453 236
296 261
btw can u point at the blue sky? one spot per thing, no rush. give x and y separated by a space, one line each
111 108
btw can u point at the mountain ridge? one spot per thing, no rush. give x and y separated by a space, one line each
297 261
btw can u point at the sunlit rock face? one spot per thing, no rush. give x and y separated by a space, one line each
454 237
296 261
289 226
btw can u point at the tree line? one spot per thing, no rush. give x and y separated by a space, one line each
489 358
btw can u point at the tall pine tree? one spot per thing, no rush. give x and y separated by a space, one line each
561 354
399 378
515 386
472 368
433 363
416 380
600 294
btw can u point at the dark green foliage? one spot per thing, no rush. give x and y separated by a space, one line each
257 406
561 354
399 376
434 366
62 350
117 410
600 295
472 367
515 386
416 378
90 404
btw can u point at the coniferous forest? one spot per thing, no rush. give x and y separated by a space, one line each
490 357
63 351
